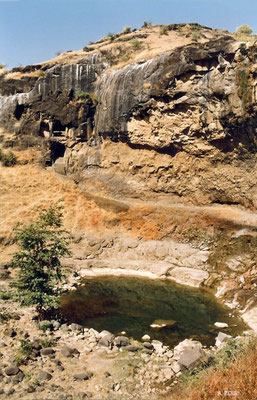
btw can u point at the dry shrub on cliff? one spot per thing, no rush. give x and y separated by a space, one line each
237 379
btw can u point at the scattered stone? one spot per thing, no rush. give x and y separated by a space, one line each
175 366
132 348
168 373
69 351
44 376
83 376
148 346
107 340
56 325
221 325
12 370
47 351
107 374
146 337
222 338
18 378
121 341
76 328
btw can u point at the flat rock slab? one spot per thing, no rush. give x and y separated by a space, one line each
188 276
162 323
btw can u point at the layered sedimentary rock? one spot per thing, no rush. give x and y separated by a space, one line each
182 122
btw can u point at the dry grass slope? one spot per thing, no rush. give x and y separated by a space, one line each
236 381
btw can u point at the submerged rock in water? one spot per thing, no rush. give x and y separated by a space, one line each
162 323
221 325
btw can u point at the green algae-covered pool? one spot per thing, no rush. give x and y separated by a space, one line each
133 304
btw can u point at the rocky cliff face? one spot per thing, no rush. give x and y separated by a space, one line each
182 122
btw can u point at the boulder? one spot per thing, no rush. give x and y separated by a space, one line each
69 351
107 340
189 353
148 345
47 351
84 376
221 325
146 338
121 341
222 338
12 370
44 376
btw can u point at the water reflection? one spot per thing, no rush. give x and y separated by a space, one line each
133 304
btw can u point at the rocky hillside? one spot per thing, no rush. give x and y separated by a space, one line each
168 110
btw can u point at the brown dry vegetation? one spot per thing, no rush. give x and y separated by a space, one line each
236 381
25 189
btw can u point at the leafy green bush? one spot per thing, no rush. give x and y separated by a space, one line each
8 159
246 29
5 296
111 36
42 244
87 49
136 44
164 30
196 36
126 29
146 24
46 342
81 95
126 57
45 326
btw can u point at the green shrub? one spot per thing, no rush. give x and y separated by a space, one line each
5 296
146 24
42 244
81 95
246 29
45 326
8 159
196 36
242 80
126 29
46 342
86 48
164 30
111 36
136 44
126 57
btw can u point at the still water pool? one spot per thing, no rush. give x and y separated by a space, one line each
132 305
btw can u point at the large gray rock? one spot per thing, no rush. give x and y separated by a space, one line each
121 341
189 353
107 340
12 370
44 376
221 339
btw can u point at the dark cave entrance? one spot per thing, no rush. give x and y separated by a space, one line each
57 150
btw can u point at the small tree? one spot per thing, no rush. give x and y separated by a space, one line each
42 243
246 29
